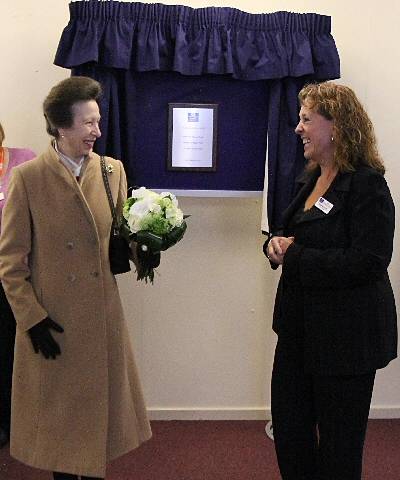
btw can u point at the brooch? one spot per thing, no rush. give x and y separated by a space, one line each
109 168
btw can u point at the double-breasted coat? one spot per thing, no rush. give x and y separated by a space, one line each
74 413
334 292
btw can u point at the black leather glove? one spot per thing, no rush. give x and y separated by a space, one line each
42 340
148 258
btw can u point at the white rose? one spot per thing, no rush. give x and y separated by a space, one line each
155 208
174 216
170 212
167 194
139 209
139 192
179 218
134 224
171 196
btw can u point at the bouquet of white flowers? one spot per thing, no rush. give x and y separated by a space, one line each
155 222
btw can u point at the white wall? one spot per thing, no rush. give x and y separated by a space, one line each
202 333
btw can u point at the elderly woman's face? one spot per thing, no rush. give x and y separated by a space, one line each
316 132
79 139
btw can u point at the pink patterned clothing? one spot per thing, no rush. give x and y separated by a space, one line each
12 158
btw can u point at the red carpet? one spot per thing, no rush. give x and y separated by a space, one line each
223 450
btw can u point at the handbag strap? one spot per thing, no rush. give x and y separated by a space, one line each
115 224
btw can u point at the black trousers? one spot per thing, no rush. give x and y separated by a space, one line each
7 340
319 422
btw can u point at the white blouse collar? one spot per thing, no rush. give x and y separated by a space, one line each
72 165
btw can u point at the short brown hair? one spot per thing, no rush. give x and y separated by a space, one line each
353 132
57 106
2 136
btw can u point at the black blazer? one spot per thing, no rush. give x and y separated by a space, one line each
334 292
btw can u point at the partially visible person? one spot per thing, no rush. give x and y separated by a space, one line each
335 313
9 158
77 401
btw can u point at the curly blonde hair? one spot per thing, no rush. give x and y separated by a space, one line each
353 132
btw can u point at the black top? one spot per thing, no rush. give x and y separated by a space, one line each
334 290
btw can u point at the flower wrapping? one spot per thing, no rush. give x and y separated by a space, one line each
155 222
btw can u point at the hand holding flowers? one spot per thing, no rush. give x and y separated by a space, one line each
156 223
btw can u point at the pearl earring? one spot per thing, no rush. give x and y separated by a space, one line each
331 139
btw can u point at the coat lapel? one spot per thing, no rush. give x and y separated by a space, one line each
305 184
334 195
52 161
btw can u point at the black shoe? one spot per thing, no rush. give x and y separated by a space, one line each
4 438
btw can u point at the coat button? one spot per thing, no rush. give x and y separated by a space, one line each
95 274
70 245
71 277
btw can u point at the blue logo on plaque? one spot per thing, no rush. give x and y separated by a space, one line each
193 117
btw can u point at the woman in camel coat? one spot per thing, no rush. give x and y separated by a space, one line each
77 400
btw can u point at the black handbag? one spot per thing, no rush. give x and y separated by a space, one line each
118 250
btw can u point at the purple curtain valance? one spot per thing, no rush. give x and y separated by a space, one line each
144 37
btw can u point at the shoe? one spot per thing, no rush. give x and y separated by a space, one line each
4 438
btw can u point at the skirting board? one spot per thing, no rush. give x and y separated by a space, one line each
208 414
243 413
384 412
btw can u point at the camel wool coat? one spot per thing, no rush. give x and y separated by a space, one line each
75 413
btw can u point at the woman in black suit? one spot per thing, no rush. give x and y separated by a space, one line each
335 314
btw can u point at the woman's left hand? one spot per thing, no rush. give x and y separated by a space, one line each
277 248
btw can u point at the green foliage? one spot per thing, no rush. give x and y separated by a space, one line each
156 223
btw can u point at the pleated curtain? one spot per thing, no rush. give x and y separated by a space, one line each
252 65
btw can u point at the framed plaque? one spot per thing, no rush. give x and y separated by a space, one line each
192 137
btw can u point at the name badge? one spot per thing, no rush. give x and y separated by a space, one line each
324 205
1 195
